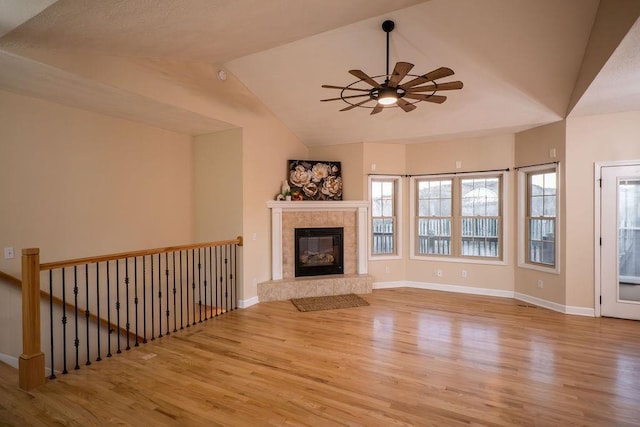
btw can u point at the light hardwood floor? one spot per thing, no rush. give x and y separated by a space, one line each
413 357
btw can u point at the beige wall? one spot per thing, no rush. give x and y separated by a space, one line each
351 161
591 139
266 143
218 185
74 184
535 147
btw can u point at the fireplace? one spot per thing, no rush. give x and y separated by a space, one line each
319 251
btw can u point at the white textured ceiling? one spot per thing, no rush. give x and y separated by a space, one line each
617 87
518 59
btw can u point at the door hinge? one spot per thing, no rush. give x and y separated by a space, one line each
601 241
600 180
600 299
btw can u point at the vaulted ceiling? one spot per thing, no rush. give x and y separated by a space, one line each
523 62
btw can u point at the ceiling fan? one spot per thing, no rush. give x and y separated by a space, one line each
390 92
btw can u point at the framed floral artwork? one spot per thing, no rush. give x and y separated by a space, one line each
315 180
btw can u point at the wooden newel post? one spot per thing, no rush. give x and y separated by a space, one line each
31 362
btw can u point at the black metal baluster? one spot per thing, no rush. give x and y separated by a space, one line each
159 296
218 307
199 287
99 358
226 278
53 371
166 272
187 287
212 281
126 283
144 299
230 276
118 304
135 297
152 310
108 311
86 312
181 288
64 325
76 342
206 315
193 283
175 313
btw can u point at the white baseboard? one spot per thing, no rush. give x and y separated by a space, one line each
566 309
9 360
244 303
577 311
443 287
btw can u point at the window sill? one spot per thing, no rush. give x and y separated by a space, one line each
459 260
550 270
384 257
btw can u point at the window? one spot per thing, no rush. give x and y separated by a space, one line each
458 217
540 219
434 217
480 217
384 194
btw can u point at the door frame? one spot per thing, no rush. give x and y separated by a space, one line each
597 219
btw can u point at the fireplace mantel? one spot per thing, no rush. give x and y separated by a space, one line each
278 207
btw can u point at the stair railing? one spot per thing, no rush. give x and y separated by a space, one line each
113 302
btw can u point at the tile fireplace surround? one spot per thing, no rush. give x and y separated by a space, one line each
285 218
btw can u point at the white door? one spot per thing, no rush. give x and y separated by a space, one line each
620 232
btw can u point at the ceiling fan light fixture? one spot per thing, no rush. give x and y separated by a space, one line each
388 96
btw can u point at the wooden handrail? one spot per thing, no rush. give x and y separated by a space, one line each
132 254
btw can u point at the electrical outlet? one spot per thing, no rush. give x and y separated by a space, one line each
439 272
8 253
458 164
464 274
387 270
540 284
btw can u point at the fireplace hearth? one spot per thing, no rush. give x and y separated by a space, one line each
319 251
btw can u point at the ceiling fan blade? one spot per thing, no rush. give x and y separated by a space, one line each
352 106
347 88
406 106
377 109
343 97
399 72
438 99
437 86
363 76
432 75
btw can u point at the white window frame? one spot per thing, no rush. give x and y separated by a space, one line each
398 203
522 216
467 259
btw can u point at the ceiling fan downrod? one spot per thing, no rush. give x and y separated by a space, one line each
387 27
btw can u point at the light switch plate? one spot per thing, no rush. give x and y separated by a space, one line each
8 253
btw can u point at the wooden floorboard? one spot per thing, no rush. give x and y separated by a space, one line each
412 357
